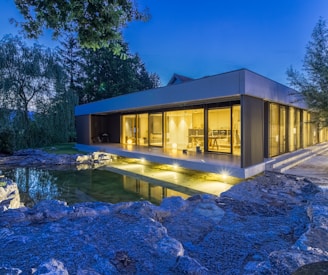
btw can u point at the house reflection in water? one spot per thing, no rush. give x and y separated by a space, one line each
148 191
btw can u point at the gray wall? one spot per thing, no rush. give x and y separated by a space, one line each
114 127
83 130
252 131
106 124
193 92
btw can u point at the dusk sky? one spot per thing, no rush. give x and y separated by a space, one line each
200 38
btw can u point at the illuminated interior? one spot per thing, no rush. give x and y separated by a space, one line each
224 130
129 129
185 129
156 129
291 128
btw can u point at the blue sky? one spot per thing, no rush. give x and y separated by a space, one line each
199 38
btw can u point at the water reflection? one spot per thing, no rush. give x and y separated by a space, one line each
75 186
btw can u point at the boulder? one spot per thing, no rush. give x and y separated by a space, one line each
272 224
9 194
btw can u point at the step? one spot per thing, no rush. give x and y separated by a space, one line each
288 163
289 158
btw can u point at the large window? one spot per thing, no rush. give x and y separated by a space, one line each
294 129
283 129
278 129
156 129
142 130
219 130
291 130
129 129
274 130
236 138
184 129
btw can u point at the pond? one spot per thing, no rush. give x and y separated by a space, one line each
74 186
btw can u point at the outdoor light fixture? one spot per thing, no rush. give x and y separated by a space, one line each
174 146
224 174
129 141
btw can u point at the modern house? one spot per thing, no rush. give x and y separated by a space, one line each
239 114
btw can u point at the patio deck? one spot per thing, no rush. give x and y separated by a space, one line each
205 162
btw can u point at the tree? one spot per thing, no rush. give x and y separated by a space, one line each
97 23
71 61
107 75
28 79
312 82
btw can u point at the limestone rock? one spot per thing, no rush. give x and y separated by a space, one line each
273 224
9 195
39 158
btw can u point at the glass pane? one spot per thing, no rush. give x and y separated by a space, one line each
274 129
219 130
291 130
297 126
313 129
155 129
142 130
185 129
236 130
128 129
282 133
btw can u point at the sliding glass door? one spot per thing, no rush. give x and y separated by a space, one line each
156 129
219 130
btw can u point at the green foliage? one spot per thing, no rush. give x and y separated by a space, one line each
53 82
7 138
97 23
33 79
312 82
63 148
107 75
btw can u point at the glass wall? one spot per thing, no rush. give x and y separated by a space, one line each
236 137
283 129
313 133
305 129
219 130
156 129
142 130
285 125
291 130
129 129
274 136
297 126
184 129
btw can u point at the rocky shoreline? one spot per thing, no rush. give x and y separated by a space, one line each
272 224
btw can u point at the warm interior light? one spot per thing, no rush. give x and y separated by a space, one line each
129 141
174 146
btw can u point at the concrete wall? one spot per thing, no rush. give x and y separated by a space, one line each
262 87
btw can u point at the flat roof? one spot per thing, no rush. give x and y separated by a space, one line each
220 87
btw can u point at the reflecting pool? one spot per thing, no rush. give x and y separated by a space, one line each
75 186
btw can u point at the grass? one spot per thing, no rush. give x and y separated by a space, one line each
63 148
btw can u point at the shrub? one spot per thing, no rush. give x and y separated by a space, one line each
7 141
